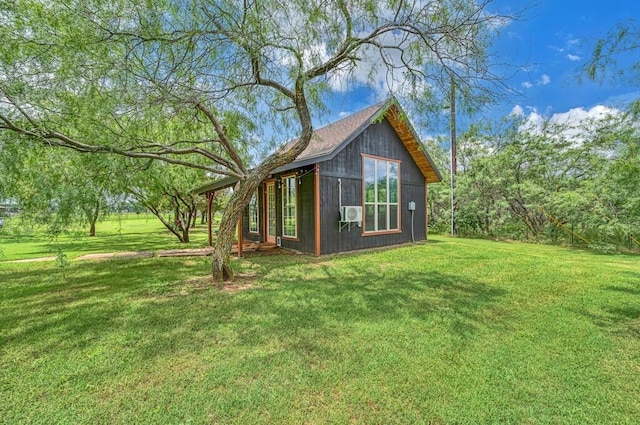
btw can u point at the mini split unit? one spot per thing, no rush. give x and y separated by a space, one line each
351 214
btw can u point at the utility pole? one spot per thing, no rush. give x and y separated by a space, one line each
452 125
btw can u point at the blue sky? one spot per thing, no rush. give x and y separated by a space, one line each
553 42
547 48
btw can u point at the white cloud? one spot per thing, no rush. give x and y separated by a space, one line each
573 123
576 116
568 44
542 81
573 58
573 42
534 120
517 111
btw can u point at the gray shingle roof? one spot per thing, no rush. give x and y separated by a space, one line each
328 139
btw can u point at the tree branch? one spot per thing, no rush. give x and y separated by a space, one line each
224 141
55 138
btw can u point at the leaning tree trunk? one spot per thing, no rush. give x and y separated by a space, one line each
221 256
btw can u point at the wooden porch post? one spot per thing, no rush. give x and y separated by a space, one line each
210 197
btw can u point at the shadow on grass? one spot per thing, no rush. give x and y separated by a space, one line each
143 308
49 308
118 243
111 242
624 289
621 316
620 321
322 295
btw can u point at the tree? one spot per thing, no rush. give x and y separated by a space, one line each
58 188
481 206
195 83
167 192
536 176
439 195
615 207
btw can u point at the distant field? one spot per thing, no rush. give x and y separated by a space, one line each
454 331
126 232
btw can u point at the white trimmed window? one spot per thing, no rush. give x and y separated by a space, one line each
289 207
381 185
254 217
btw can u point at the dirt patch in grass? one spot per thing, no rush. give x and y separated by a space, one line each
34 260
241 282
124 254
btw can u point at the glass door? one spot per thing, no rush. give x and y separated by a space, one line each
270 207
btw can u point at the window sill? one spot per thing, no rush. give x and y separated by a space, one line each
290 238
383 232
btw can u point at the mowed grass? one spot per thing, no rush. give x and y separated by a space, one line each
124 232
452 331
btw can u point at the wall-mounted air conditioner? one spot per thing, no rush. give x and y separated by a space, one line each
351 214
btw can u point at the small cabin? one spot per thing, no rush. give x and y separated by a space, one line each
361 183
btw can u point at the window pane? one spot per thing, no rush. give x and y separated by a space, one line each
253 213
393 217
369 218
393 182
289 207
369 180
381 195
382 217
381 178
271 199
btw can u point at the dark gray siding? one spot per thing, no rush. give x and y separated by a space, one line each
345 170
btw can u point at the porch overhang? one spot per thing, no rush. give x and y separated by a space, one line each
216 185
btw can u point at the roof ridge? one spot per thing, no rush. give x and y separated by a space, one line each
378 105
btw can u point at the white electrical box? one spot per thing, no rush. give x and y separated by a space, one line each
412 206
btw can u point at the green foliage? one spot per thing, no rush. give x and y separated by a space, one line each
59 188
615 56
546 182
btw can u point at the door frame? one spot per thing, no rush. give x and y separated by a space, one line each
268 237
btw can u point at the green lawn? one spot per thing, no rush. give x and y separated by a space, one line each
126 232
453 331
